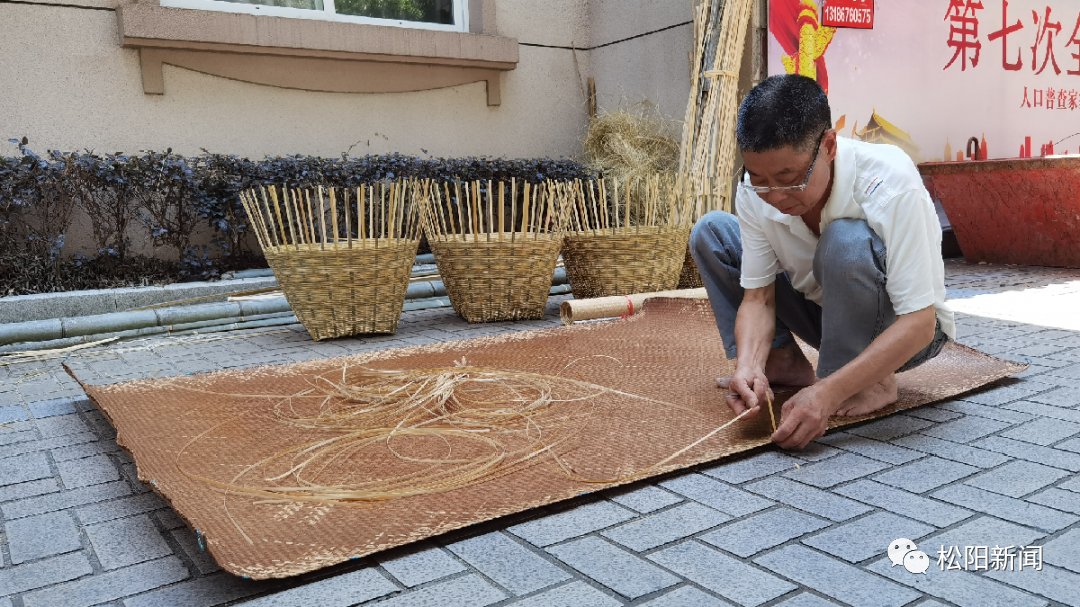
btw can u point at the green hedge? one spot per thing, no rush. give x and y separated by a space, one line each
171 196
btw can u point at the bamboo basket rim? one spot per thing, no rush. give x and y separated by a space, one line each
367 245
623 231
484 240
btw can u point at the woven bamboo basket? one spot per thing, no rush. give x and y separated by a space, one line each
496 245
624 237
628 260
342 257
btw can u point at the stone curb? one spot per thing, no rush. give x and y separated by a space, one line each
48 306
57 331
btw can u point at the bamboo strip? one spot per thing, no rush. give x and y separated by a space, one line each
383 197
490 202
348 217
444 196
604 202
460 207
502 207
277 211
322 216
269 217
290 214
772 414
527 190
513 207
361 203
309 219
333 213
254 222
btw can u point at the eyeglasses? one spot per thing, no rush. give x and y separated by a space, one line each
744 182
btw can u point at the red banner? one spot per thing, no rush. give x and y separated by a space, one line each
848 13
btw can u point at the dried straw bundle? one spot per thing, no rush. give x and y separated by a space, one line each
623 236
625 144
496 245
342 257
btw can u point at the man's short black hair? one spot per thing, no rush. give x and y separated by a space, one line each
786 110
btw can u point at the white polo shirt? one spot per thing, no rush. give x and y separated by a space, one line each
877 183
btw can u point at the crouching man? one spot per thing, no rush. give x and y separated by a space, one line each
837 242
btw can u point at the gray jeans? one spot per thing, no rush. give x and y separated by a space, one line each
850 267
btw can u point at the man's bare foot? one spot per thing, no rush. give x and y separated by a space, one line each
786 366
871 399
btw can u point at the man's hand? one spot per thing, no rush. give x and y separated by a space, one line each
803 418
748 389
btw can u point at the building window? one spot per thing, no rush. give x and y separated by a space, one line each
450 15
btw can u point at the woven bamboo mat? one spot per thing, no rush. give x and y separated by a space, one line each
650 394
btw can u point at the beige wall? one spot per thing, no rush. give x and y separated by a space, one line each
654 67
70 85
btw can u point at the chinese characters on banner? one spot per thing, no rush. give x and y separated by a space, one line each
1043 31
933 74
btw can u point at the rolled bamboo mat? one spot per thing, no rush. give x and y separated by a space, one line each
577 310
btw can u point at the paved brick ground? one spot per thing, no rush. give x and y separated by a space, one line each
998 467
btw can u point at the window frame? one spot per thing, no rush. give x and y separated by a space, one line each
315 54
461 14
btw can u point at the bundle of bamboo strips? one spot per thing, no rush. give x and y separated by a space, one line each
707 152
341 256
708 141
706 16
496 245
623 236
